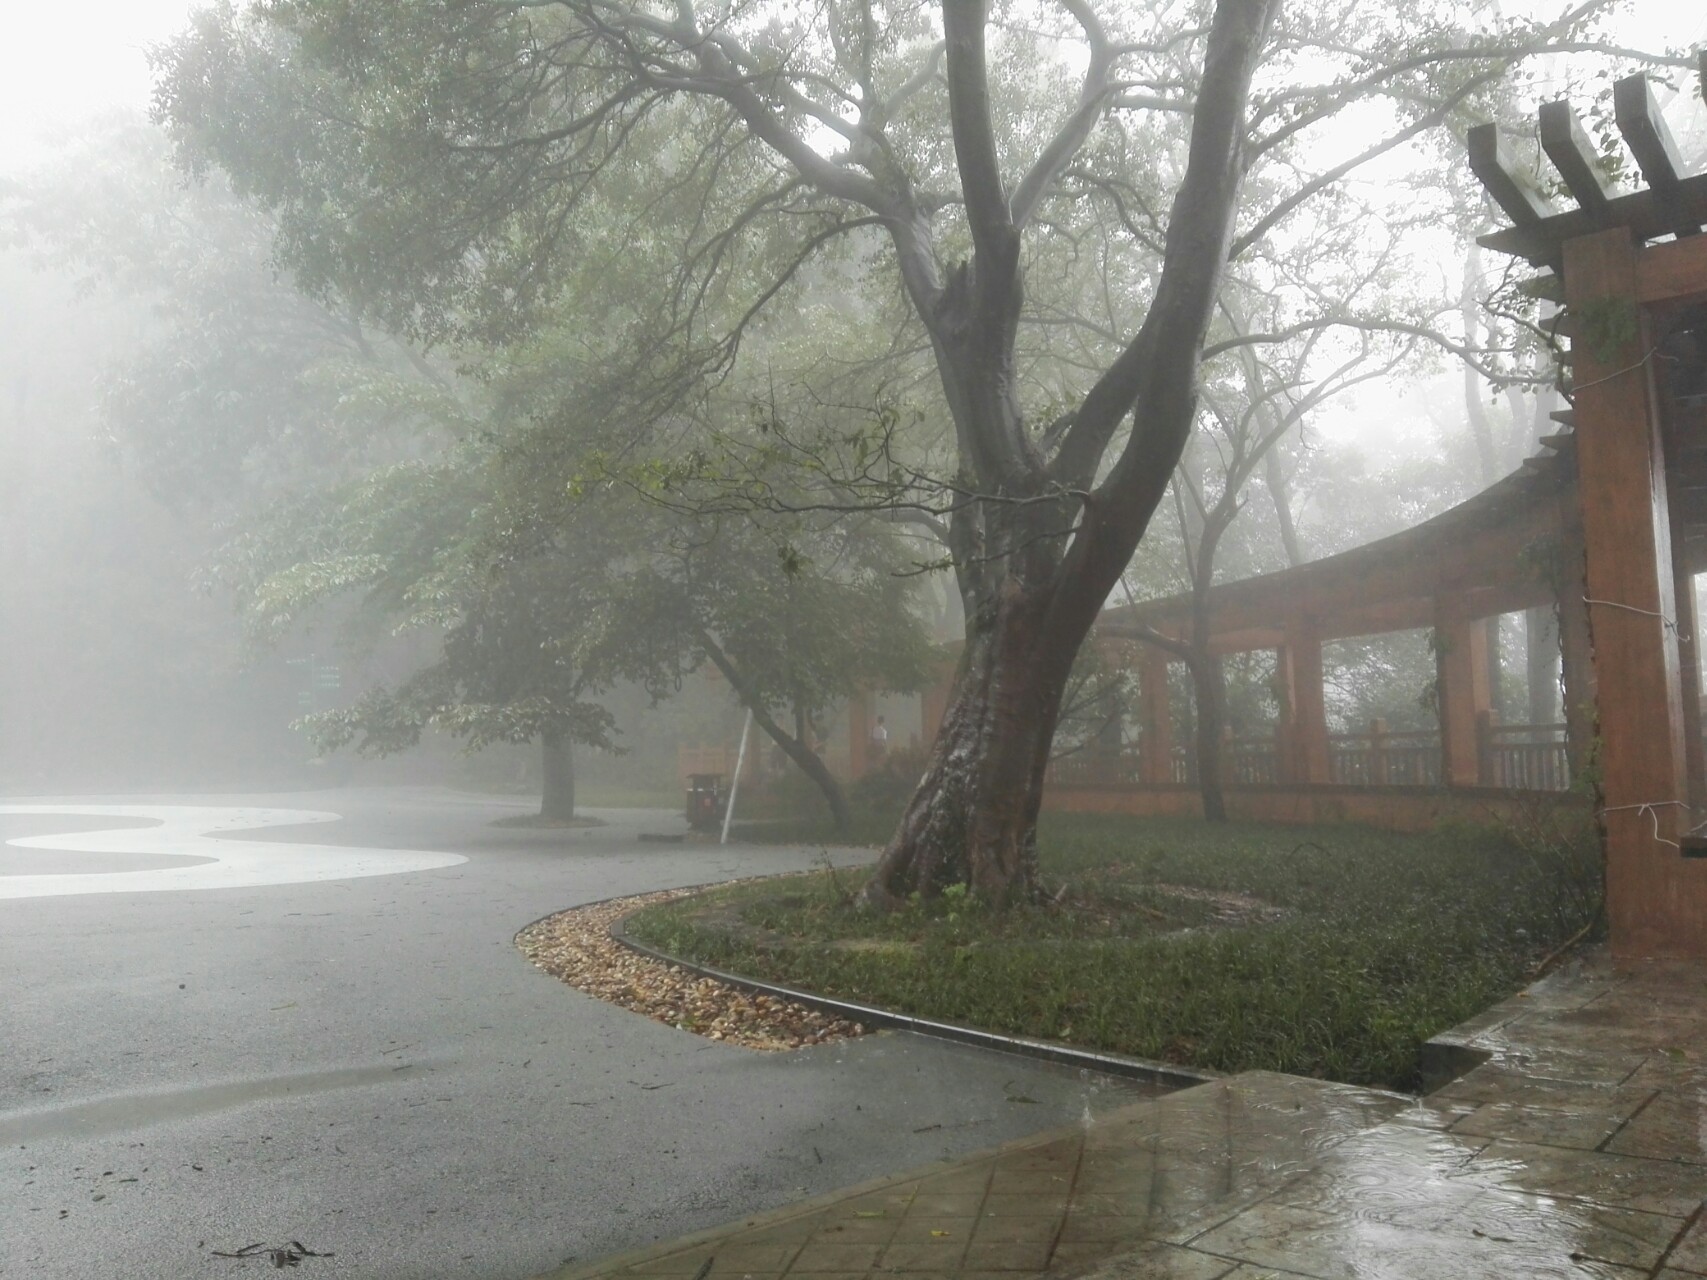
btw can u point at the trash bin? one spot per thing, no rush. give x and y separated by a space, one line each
706 799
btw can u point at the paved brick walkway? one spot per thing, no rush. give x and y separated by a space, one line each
1577 1149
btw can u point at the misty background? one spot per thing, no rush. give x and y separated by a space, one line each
124 662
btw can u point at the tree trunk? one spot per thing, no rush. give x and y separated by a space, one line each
1279 492
1481 427
973 818
557 761
794 747
1209 691
1045 540
1208 683
812 765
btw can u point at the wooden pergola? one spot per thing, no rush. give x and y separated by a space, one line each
1608 524
1632 273
1497 553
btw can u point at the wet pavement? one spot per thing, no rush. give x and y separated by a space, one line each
1575 1145
325 1033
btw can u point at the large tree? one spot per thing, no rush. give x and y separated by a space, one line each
451 163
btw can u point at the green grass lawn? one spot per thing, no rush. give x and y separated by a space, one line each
1325 951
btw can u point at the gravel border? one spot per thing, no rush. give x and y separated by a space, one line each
577 947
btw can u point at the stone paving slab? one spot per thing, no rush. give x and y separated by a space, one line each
1577 1148
1153 1172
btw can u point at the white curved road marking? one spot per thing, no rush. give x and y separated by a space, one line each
193 830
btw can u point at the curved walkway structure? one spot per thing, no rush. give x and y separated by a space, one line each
1606 527
1507 549
198 833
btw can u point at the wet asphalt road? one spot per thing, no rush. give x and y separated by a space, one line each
369 1067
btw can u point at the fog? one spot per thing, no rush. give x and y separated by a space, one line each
837 492
127 662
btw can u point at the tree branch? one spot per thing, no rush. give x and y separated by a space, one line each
1093 100
974 139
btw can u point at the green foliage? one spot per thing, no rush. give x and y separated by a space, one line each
1608 325
1330 951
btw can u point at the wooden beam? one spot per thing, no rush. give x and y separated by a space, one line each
1568 147
1643 212
1650 141
1246 639
1461 688
1645 133
1672 272
1298 675
1493 165
1155 740
1656 904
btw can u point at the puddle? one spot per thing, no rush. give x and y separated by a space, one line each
137 1110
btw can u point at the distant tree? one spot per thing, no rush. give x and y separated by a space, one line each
516 607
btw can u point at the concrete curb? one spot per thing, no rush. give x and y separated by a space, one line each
1111 1064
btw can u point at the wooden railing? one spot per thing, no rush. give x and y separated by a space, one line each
1380 757
1245 762
1095 767
1523 757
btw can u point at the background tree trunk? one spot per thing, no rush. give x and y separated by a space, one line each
1209 690
557 767
812 765
793 746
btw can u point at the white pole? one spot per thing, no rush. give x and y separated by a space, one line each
735 786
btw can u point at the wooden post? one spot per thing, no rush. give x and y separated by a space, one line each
1298 675
859 734
1461 676
1541 663
1689 685
1487 772
1156 738
1378 753
1576 661
1656 902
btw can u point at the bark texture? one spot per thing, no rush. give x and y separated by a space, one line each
973 819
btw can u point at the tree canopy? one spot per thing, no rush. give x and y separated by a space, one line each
684 173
